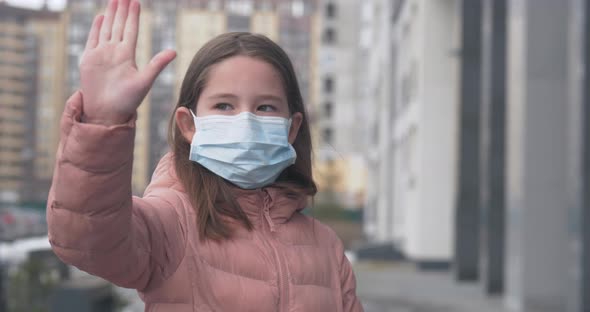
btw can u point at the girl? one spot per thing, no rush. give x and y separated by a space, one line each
219 227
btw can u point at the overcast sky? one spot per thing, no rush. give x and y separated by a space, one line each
35 4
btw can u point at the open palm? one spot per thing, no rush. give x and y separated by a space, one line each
112 85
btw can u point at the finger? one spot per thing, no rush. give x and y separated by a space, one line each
94 32
157 64
107 25
132 24
119 22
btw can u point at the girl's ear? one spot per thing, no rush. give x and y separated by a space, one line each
185 123
296 120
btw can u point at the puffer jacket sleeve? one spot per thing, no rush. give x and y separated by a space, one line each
350 301
94 222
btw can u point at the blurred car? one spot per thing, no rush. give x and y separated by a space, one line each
17 223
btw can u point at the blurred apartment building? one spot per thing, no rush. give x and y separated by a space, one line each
185 25
41 51
479 132
339 114
79 15
32 56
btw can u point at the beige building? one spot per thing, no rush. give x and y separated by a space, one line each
49 102
195 27
266 23
78 16
31 99
339 113
13 99
141 172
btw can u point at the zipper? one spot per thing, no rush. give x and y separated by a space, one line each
269 228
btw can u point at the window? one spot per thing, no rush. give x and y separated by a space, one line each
410 143
328 109
214 5
240 7
238 22
327 135
328 85
329 36
297 8
330 10
265 6
409 86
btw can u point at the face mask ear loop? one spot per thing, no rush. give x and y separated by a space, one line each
194 119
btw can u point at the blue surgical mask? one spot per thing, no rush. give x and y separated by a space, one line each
248 150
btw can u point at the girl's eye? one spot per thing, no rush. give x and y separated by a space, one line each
223 106
267 108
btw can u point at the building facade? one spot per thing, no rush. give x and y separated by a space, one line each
13 91
414 121
42 50
378 49
490 125
339 112
31 66
425 118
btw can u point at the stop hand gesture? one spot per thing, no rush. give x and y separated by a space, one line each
112 86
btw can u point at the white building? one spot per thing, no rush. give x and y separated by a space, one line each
489 146
377 95
414 119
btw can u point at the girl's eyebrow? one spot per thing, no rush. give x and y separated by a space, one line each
223 96
261 97
270 97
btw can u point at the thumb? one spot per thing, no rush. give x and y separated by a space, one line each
157 64
73 104
72 110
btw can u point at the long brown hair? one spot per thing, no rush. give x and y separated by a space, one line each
206 190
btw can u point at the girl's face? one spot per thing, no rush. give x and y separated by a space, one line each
241 84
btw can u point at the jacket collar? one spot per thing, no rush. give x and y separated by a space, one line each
273 204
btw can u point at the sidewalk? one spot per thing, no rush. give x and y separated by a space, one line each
395 287
399 287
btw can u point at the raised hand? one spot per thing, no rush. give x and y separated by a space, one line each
111 84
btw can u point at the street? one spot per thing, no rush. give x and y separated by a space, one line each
399 287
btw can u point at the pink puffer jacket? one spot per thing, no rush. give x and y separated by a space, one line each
289 262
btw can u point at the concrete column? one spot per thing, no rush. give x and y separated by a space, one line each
537 155
579 166
493 151
585 259
467 213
